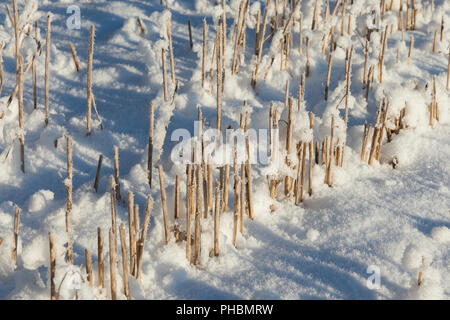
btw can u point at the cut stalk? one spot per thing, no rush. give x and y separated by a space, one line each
176 210
164 204
198 214
88 257
16 235
219 79
163 58
330 61
89 78
100 281
131 231
150 145
52 268
216 219
116 173
143 235
112 266
205 30
47 69
74 56
126 289
97 174
172 63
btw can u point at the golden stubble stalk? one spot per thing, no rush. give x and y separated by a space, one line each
47 68
131 231
88 258
89 78
164 205
126 290
216 219
112 266
172 63
16 235
143 235
163 59
198 214
97 174
52 268
100 280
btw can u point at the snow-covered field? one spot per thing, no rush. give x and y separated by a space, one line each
372 235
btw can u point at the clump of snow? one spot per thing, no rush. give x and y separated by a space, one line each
312 235
441 234
414 258
40 200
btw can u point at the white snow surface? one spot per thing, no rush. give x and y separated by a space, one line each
396 219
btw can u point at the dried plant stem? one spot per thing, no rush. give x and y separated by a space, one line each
311 120
205 30
47 69
343 19
9 14
329 172
237 38
112 266
219 79
164 204
69 175
302 180
366 62
307 56
116 173
365 139
150 145
140 25
300 35
131 232
52 268
89 78
176 206
374 145
381 58
16 235
198 214
434 41
126 290
225 188
100 281
172 63
163 58
369 77
34 77
287 180
21 128
216 219
97 174
314 20
330 62
143 235
113 207
297 181
248 173
74 56
88 257
188 213
348 72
